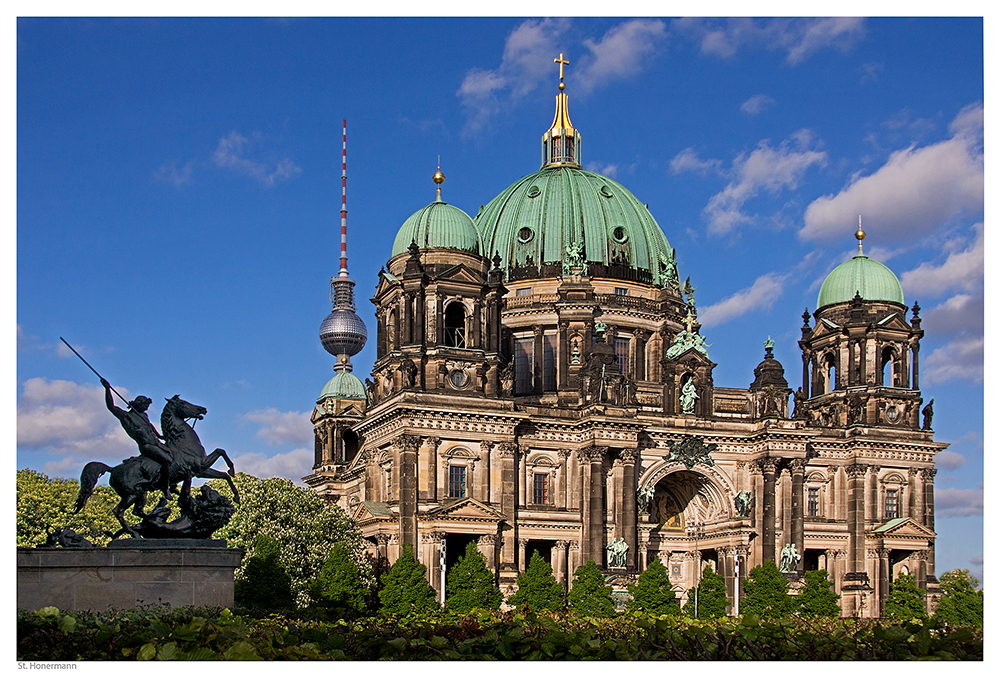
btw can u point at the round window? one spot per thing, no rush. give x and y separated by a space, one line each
459 378
606 192
534 192
525 234
619 234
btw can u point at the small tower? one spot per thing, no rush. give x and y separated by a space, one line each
561 142
343 334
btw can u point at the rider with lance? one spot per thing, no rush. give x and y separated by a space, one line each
136 423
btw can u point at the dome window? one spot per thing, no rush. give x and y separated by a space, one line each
525 235
606 192
534 192
619 235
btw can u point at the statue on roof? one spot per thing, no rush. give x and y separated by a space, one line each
688 395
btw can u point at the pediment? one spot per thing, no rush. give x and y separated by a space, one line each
372 510
386 281
894 322
906 528
462 274
691 358
466 509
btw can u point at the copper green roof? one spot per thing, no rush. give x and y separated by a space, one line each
344 386
538 216
860 275
439 225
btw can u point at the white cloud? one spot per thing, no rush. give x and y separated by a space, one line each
949 460
292 465
960 313
959 359
772 169
956 502
280 428
606 170
688 161
799 38
761 295
622 52
230 154
914 192
170 173
757 104
961 270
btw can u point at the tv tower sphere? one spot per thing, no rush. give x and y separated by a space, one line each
342 332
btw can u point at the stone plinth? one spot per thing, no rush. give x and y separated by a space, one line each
128 573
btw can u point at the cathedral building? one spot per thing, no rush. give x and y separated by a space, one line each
541 384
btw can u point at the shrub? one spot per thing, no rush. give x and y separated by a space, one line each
589 595
265 584
653 593
405 590
960 604
338 590
905 600
46 504
766 592
537 588
818 599
470 585
711 597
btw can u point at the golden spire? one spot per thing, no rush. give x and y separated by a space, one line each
439 179
561 143
860 235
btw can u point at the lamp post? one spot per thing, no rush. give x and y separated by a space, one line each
444 561
736 587
696 531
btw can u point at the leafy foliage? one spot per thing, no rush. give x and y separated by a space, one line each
338 589
265 584
301 521
711 597
46 504
50 635
818 599
405 589
905 600
960 604
537 588
766 592
470 585
589 595
653 593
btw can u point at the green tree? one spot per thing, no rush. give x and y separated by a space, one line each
653 593
818 599
470 585
537 588
905 600
265 585
338 590
405 589
712 599
960 604
766 592
46 504
304 524
589 595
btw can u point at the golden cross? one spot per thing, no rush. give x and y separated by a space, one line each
562 62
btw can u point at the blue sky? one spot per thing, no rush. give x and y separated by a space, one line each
178 190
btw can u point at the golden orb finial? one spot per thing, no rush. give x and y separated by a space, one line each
438 179
859 234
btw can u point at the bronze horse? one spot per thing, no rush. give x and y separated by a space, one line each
136 476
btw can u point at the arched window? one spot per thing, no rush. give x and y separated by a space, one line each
390 331
888 368
454 325
829 373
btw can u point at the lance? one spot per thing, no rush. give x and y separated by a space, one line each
124 400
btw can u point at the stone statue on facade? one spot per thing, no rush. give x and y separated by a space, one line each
800 400
617 554
507 379
574 263
643 496
688 395
408 370
789 561
743 503
928 413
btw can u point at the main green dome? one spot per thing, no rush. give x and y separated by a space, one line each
860 275
439 225
537 217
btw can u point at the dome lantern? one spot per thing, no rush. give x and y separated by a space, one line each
561 142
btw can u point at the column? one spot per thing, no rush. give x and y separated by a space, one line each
564 349
798 514
522 555
572 562
805 373
583 464
522 470
477 325
407 480
883 579
641 337
418 320
432 443
757 507
560 555
508 501
769 467
628 507
727 571
916 368
487 545
856 517
539 356
486 466
562 480
595 551
928 477
872 511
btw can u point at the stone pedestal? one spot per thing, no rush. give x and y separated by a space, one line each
128 573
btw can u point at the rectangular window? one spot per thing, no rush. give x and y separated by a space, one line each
524 365
812 504
524 292
621 291
540 492
549 362
621 353
456 481
891 504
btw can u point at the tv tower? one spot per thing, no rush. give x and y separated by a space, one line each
343 333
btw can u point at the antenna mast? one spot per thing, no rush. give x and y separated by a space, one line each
343 210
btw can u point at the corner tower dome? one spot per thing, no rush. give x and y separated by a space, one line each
860 275
533 222
439 225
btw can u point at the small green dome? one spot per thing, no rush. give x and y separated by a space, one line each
860 275
344 386
537 217
439 225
